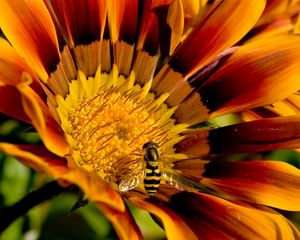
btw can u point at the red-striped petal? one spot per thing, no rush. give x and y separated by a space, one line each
259 73
214 218
222 27
80 22
270 183
260 135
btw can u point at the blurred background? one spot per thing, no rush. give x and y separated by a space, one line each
54 219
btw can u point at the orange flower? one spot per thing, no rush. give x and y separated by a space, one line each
98 79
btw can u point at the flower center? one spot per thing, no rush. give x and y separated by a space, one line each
107 127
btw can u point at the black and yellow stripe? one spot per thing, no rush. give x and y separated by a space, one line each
152 172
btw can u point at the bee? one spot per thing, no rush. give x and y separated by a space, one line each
151 172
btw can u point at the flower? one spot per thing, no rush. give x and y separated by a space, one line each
99 79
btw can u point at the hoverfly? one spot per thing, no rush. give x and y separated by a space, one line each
152 172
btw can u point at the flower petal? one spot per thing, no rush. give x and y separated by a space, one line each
214 218
80 22
270 183
191 10
123 26
227 23
222 27
81 25
123 31
191 168
175 20
36 157
42 119
259 135
160 30
174 226
9 95
123 223
12 67
287 107
40 159
94 187
11 64
273 9
259 73
29 28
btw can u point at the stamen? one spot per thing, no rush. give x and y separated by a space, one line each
109 125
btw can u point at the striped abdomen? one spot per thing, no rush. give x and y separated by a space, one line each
152 172
152 177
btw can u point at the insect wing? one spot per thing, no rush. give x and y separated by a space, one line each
182 183
131 180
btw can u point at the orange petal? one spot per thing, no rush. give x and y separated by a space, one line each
287 107
12 67
259 73
174 226
273 9
36 157
95 188
214 218
29 28
123 223
191 10
282 25
161 26
270 183
123 31
222 27
195 144
11 64
40 159
148 39
259 135
42 119
123 26
175 20
80 22
191 168
185 87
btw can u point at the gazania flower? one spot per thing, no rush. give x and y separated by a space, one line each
101 81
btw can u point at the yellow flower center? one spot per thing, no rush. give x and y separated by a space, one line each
107 126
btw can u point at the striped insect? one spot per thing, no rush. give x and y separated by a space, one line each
149 174
151 171
152 176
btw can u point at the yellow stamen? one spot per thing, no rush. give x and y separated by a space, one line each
109 121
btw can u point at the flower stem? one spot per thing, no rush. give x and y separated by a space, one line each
11 213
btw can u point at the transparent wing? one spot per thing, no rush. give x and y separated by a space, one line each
183 183
132 179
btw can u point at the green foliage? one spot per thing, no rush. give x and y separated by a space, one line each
14 179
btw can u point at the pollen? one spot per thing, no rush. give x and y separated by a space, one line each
106 127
